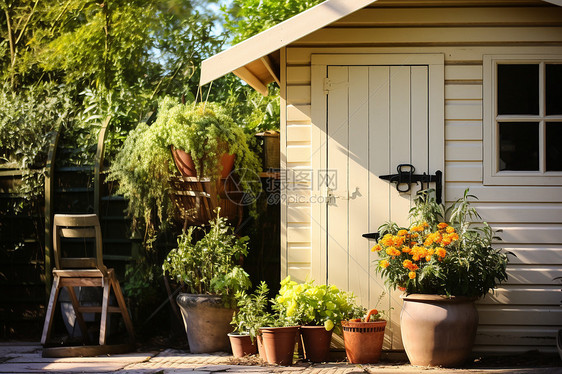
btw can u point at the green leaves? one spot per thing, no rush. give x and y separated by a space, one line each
208 265
317 305
252 311
434 257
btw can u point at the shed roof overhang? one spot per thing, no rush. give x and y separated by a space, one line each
257 59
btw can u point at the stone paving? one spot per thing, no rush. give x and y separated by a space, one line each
26 358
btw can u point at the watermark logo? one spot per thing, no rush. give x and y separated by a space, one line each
243 187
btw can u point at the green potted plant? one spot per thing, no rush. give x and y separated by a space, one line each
443 262
207 269
252 313
145 165
319 310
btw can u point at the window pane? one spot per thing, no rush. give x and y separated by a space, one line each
518 89
519 146
553 89
554 146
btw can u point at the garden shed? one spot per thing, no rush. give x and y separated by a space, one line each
470 89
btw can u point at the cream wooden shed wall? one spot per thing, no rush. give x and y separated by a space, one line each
524 313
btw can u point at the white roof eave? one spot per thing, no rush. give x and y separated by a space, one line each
257 48
277 37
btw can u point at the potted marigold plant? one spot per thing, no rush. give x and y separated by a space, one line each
444 262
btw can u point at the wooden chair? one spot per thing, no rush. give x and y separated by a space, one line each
72 272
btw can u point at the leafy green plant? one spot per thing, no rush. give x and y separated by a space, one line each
205 131
207 266
316 305
252 311
144 164
434 256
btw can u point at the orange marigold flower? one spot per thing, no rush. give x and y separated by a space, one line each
454 236
425 224
398 240
428 241
414 267
450 230
406 249
376 248
414 235
386 240
402 288
430 251
412 274
389 250
416 257
402 232
446 240
407 264
417 229
384 264
436 237
428 258
441 252
442 225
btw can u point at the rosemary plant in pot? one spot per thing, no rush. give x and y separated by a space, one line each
252 313
444 262
207 269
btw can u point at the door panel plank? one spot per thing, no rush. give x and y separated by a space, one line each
400 131
338 145
359 182
379 164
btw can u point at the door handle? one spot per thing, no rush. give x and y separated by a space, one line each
332 195
405 177
371 235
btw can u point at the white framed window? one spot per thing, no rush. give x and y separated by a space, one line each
522 120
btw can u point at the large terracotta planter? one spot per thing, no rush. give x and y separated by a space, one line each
279 344
363 341
242 345
261 348
206 321
186 166
184 162
438 330
316 343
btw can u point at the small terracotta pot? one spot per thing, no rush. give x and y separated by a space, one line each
242 345
438 330
279 344
363 341
316 343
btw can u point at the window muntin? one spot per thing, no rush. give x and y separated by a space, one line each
528 112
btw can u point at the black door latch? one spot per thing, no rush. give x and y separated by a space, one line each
405 177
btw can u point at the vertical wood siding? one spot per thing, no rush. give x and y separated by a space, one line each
524 313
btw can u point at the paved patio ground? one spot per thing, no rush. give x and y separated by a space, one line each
26 358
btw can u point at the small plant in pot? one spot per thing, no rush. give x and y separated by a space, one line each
251 315
207 269
319 309
363 337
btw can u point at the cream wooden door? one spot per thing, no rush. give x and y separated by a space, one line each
377 118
